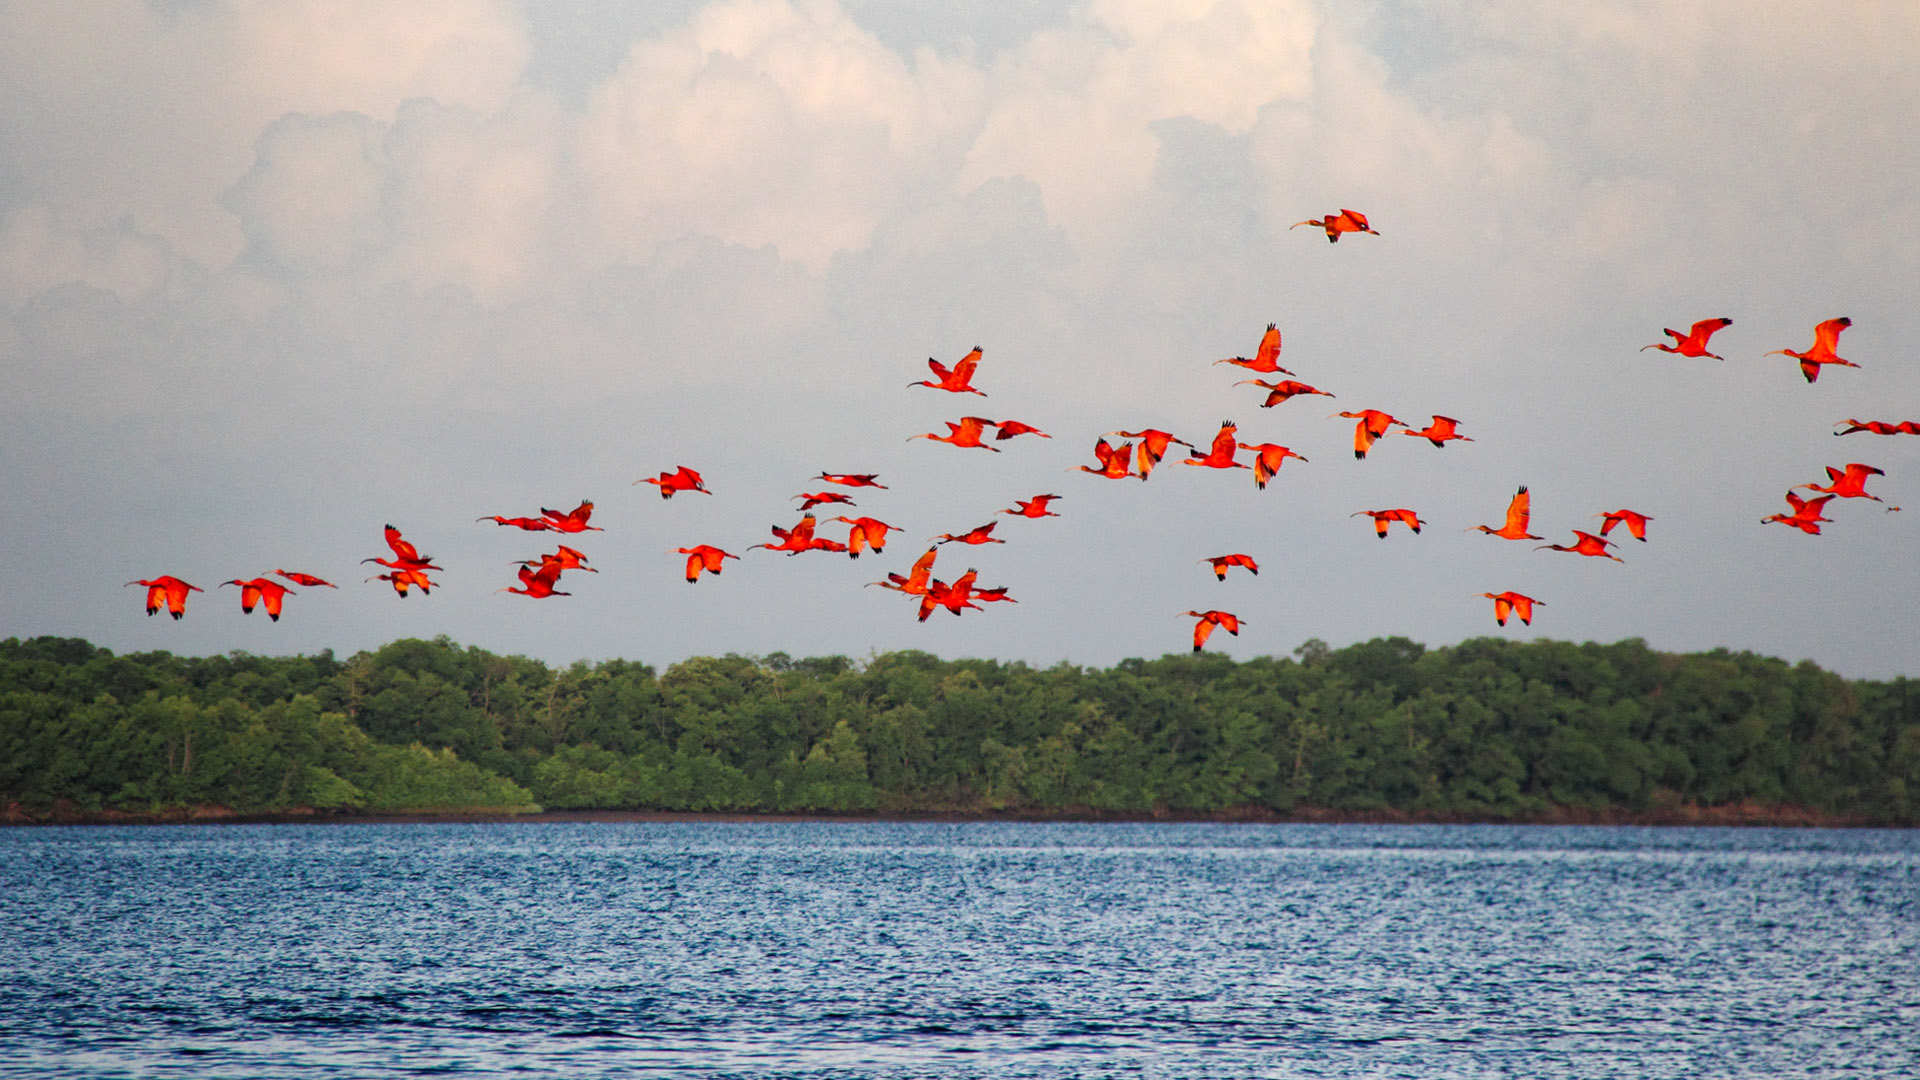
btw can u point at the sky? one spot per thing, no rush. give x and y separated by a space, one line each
274 275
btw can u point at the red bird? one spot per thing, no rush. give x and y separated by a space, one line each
527 523
1806 514
572 521
1221 563
405 555
966 433
565 557
1220 454
681 479
540 583
254 591
1373 424
1153 447
998 592
1519 512
305 579
1009 428
1585 543
981 534
703 557
1826 338
1282 390
1635 523
959 380
1035 507
403 579
1880 427
952 597
915 583
1440 432
1113 460
1203 629
1384 518
853 479
1850 484
1511 602
866 532
1268 457
1694 341
1345 221
817 498
794 540
1266 360
169 590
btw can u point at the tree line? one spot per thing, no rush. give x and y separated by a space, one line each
1489 730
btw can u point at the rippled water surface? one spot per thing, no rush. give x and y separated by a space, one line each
829 949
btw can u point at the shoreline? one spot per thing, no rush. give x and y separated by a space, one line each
1734 815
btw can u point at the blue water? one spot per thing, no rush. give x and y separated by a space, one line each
908 950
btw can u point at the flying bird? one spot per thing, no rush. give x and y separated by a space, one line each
981 534
1266 360
952 597
572 521
1384 518
169 590
1440 432
565 557
1826 338
819 497
1848 484
1221 563
1009 428
1113 460
1153 447
1345 221
704 557
1519 512
794 540
1585 543
1636 523
853 479
255 590
916 579
866 532
1203 629
1220 454
959 380
1806 514
538 584
1281 391
1268 457
1372 424
1511 602
305 579
527 523
966 433
1880 427
680 479
403 579
1035 507
1694 341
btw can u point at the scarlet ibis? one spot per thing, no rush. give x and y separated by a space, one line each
257 589
794 540
1266 360
1035 507
305 579
1519 512
539 584
527 523
1636 523
915 581
169 590
565 557
1806 514
1880 427
1440 432
1511 602
1221 563
1826 338
402 579
1153 447
1113 460
1268 457
1848 484
952 597
966 433
853 479
572 521
1220 454
979 534
819 497
1345 221
866 532
1384 518
405 555
1283 390
1203 629
997 593
1373 424
680 479
959 380
1007 429
704 557
1585 543
1694 341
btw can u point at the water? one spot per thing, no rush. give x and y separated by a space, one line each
910 950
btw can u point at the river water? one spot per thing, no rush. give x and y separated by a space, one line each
914 950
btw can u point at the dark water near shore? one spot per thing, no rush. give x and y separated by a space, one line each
904 950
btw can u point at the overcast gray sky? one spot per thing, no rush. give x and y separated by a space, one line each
275 274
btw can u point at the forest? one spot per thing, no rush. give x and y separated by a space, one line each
1487 730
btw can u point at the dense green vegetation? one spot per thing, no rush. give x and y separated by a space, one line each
1488 729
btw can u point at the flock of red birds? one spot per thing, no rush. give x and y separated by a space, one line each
1137 456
